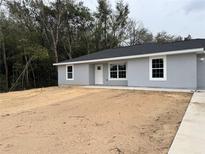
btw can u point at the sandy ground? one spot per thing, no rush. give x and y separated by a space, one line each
86 121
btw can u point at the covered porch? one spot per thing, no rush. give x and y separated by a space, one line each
108 74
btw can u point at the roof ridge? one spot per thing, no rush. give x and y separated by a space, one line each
158 43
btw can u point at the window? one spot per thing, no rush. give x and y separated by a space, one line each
69 72
117 71
99 68
158 68
113 71
122 71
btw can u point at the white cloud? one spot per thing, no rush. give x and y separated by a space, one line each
195 6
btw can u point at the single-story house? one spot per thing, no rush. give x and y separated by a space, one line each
165 65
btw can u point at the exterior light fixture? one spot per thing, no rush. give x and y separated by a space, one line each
202 59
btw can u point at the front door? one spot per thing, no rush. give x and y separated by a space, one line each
98 74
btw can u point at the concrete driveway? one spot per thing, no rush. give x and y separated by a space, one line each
190 138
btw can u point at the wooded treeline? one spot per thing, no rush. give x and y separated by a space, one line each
34 34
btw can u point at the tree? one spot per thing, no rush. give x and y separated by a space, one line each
163 37
76 28
55 31
188 37
2 44
102 15
50 20
23 46
119 24
138 35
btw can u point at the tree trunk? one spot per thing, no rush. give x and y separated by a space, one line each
87 43
27 74
34 77
55 53
56 37
70 48
96 42
5 64
21 75
105 31
88 47
55 42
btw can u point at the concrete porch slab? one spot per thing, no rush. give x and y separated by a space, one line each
142 88
190 138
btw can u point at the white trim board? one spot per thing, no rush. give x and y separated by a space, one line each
72 72
196 50
164 68
117 79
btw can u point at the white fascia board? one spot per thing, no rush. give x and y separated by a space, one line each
196 50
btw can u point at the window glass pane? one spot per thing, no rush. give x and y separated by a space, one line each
99 68
161 73
122 74
122 67
69 68
154 73
113 74
158 68
161 65
70 75
157 63
113 67
157 73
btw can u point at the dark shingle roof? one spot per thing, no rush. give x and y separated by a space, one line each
147 48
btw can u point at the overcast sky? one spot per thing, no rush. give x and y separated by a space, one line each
179 17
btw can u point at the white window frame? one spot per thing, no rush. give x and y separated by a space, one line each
67 72
164 67
116 63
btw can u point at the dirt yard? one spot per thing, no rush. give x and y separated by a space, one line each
89 121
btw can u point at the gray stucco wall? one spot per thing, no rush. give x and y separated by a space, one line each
181 72
92 74
200 72
81 75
